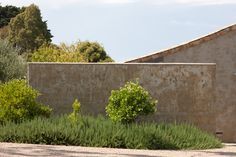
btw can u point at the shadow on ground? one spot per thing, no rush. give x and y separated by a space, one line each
38 151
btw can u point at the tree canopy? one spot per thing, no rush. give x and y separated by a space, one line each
28 31
53 53
82 51
12 66
93 52
8 12
4 32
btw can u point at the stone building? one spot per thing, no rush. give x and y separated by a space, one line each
220 48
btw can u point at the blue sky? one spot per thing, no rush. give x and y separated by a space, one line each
131 28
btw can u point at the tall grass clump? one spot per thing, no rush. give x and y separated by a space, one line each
100 132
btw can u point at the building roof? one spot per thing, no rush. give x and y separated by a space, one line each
190 44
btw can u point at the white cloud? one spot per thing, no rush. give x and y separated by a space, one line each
190 2
206 2
42 3
117 1
192 24
62 3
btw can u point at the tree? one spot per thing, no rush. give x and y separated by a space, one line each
77 52
4 32
12 66
53 53
27 31
8 12
93 52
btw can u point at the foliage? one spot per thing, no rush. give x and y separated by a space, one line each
129 102
93 52
52 53
4 32
74 116
101 132
8 12
18 102
77 52
11 65
27 30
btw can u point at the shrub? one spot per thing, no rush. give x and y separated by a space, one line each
17 102
12 66
101 132
74 116
129 102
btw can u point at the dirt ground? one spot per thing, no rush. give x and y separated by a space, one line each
28 150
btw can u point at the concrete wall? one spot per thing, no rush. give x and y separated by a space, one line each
185 91
221 51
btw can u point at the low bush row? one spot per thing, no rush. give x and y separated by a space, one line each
100 132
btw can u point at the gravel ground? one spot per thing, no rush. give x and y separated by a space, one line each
26 150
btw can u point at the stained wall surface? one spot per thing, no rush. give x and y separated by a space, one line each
222 51
185 92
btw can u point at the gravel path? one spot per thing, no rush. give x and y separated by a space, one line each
26 150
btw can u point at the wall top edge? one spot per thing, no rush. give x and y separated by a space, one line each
77 63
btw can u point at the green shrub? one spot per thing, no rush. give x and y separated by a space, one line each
129 102
74 116
12 66
101 132
17 102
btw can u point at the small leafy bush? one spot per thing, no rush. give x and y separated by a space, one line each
129 102
18 102
74 116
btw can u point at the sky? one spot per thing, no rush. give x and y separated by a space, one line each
132 28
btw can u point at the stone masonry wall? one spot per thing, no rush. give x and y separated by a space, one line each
185 92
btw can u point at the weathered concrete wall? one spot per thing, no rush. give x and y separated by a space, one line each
222 51
185 91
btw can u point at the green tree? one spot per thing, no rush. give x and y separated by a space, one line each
4 32
12 66
53 53
27 30
77 52
93 52
8 12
